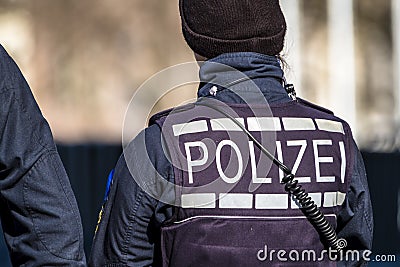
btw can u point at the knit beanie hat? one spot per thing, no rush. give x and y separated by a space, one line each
214 27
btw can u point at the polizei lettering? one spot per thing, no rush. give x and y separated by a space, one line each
319 161
222 169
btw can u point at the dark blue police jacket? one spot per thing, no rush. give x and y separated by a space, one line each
229 205
39 213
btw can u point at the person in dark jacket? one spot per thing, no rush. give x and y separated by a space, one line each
193 190
39 213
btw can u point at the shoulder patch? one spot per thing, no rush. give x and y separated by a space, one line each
109 184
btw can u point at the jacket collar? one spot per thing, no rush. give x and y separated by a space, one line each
234 76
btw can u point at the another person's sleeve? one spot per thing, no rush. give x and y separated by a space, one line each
39 213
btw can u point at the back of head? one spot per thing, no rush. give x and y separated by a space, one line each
214 27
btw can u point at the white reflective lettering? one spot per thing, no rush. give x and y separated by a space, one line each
280 157
191 163
254 177
343 163
218 162
318 160
303 146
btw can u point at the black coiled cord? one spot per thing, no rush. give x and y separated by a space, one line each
308 206
313 213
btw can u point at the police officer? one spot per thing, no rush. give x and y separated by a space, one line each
228 206
39 213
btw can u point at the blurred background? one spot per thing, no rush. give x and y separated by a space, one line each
85 59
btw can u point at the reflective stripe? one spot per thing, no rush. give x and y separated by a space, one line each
298 124
264 124
271 201
317 197
225 124
332 199
235 201
330 126
248 217
259 124
199 200
262 201
190 127
340 198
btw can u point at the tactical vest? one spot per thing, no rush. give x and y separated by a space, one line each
232 209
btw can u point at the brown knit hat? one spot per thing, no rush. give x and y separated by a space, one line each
214 27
